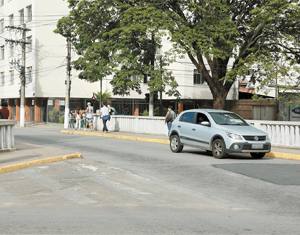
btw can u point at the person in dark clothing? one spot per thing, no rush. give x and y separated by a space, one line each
4 112
126 111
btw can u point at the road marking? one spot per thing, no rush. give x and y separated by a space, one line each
56 187
93 168
119 187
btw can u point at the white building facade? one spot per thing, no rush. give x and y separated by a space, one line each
46 63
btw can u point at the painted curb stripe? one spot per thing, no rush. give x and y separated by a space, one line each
288 156
18 166
116 136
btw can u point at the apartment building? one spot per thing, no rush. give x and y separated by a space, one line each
45 61
45 67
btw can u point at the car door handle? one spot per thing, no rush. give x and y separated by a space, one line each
179 126
193 129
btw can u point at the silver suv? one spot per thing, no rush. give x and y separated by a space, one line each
218 131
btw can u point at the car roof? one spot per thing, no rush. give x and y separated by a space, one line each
207 110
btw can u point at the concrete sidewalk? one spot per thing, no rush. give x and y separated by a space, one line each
27 155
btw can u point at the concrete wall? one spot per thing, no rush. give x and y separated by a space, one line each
257 110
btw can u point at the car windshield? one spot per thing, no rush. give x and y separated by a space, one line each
228 119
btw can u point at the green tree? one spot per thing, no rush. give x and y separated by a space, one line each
106 47
53 115
222 38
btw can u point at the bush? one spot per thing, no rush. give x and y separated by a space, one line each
53 116
156 111
62 119
145 113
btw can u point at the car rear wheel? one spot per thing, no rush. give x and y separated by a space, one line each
257 155
218 149
175 145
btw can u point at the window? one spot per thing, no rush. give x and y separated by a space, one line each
29 75
2 79
1 2
146 77
187 117
12 77
201 118
134 77
21 17
2 26
29 13
198 77
29 46
158 50
11 50
228 119
2 53
11 20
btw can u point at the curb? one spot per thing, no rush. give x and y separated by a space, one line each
116 136
288 156
18 166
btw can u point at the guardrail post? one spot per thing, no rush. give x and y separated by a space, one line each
7 138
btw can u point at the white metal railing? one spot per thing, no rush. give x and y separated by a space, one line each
135 124
7 138
282 134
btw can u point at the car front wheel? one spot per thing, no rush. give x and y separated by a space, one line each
175 145
257 155
218 149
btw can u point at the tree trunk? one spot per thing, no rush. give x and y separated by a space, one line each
161 108
151 105
220 100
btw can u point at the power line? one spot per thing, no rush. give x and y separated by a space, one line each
21 68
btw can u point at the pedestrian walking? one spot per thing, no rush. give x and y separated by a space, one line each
89 117
71 119
170 117
104 113
83 118
77 118
4 112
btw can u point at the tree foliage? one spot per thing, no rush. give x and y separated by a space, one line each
106 46
222 38
105 97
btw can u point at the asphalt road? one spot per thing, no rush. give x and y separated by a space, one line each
130 187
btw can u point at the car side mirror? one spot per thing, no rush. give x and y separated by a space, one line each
205 123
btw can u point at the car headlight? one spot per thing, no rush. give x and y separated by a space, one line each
234 136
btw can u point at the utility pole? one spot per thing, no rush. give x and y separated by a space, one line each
21 68
151 96
68 85
100 98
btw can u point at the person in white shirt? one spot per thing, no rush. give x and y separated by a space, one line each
89 116
104 113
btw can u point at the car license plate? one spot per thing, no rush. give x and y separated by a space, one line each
257 146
